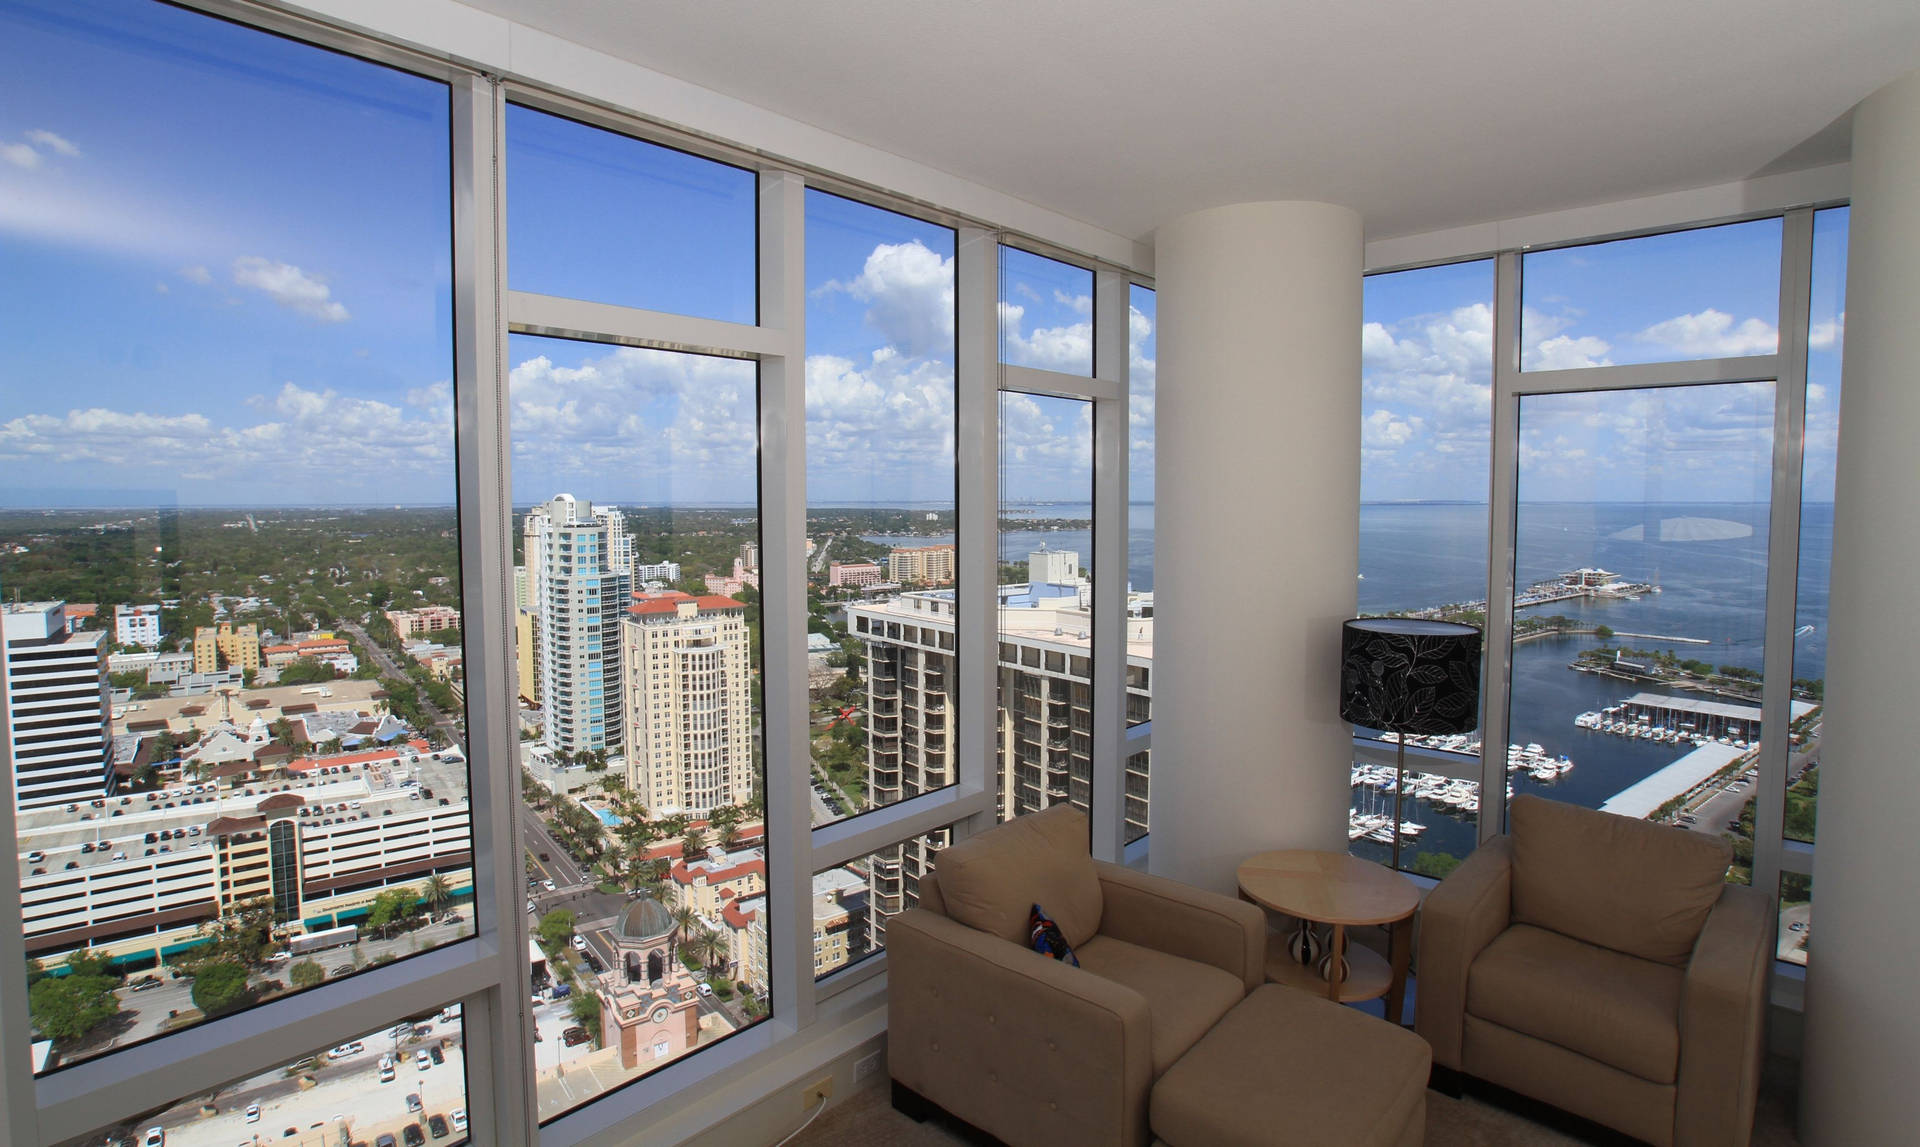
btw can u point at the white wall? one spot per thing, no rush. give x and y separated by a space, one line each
1863 1012
1259 468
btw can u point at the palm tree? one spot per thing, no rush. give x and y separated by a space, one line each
684 918
437 892
711 948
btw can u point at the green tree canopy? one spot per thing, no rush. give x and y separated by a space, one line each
220 987
556 929
65 1008
585 1007
306 973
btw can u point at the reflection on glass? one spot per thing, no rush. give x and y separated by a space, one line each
1046 603
1712 292
1641 602
1796 918
1426 435
1142 381
235 731
595 215
880 494
1827 322
404 1084
1046 313
636 477
852 903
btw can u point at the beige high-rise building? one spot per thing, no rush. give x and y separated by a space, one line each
923 565
1044 738
237 646
524 645
687 689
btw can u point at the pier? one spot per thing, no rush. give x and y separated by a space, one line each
1641 799
1663 637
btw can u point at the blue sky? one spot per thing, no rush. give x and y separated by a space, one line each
1427 370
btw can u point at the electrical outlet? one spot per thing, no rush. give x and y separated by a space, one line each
816 1093
866 1067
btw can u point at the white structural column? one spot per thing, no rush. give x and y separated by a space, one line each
1257 523
1863 1014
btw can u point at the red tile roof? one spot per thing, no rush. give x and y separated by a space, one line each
668 601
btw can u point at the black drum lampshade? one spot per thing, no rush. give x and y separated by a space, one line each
1406 675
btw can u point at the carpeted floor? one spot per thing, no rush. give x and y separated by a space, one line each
867 1119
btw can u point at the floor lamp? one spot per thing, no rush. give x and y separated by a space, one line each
1409 677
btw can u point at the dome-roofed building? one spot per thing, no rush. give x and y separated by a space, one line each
640 939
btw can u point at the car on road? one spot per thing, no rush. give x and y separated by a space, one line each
413 1102
412 1134
253 1113
705 989
547 884
459 1118
145 982
342 970
530 907
437 1126
579 943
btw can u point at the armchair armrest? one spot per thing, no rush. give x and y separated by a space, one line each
1460 918
1182 920
1021 1046
1723 1020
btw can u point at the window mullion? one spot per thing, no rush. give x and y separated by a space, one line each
783 531
500 1070
1110 358
1783 547
977 377
1496 675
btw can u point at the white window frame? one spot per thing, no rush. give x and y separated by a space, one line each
486 973
1787 369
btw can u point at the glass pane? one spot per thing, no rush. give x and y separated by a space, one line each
1641 607
404 1084
1796 918
231 249
1046 313
1142 380
1046 603
1824 338
1426 440
637 474
880 480
852 903
592 214
1713 292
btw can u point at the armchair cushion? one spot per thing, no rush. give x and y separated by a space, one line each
1184 997
1618 1009
991 881
1639 888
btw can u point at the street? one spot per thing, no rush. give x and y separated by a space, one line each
391 668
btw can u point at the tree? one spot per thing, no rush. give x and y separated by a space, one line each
220 987
65 1008
1604 633
306 671
555 929
693 844
712 948
1435 864
242 935
684 918
437 892
585 1007
306 974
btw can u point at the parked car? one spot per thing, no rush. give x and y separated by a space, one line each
547 884
155 1137
574 1036
579 943
705 989
253 1113
439 1057
413 1101
437 1126
421 1061
412 1135
385 1141
459 1118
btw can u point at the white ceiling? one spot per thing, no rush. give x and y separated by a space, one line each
1420 114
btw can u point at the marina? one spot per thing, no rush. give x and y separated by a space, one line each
1370 816
1642 798
1670 720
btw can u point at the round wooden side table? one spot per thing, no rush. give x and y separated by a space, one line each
1342 891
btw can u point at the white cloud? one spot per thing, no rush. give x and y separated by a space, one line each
289 286
1078 304
437 396
1711 334
53 143
1383 430
1066 348
196 274
20 155
1828 335
908 290
1566 352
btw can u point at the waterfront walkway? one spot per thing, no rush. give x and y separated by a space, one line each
1639 800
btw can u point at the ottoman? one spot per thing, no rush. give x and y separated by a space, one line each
1285 1067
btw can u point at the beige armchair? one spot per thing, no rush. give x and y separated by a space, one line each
1032 1050
1604 966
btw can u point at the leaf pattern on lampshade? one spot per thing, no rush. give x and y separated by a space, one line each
1409 676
